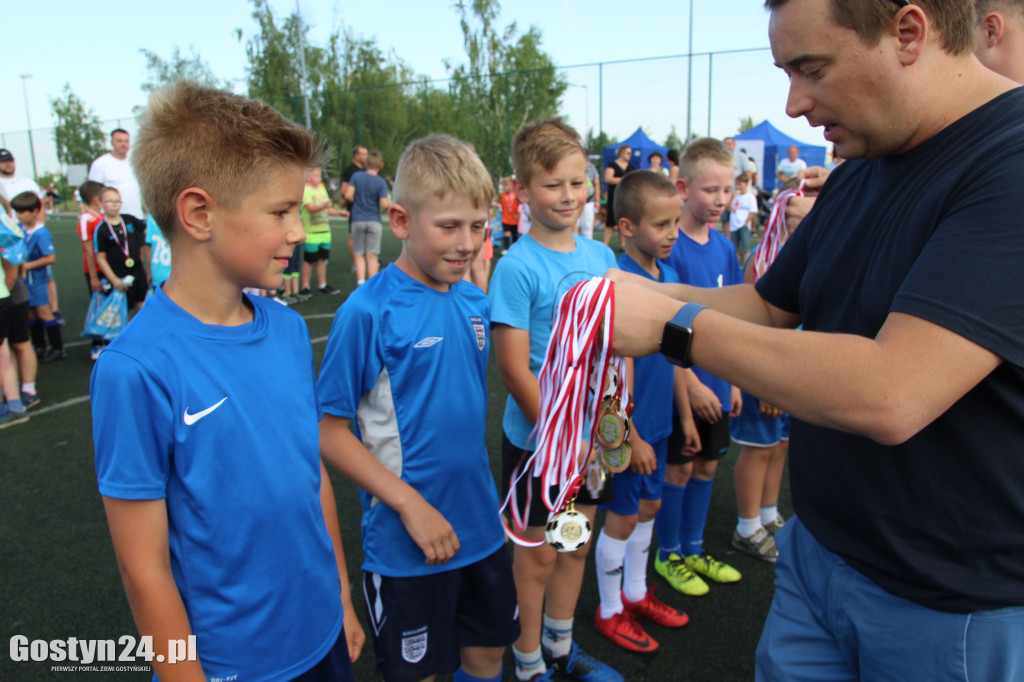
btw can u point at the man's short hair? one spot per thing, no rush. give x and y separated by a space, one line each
543 144
703 149
953 20
26 201
374 159
636 189
355 149
89 190
115 131
225 144
439 166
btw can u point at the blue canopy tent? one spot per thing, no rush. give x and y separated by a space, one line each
642 147
776 145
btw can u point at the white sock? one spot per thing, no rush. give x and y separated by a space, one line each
634 572
609 558
556 636
528 664
769 514
28 387
747 527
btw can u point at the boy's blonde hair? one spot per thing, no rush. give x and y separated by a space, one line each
636 189
543 144
439 165
374 159
225 144
703 149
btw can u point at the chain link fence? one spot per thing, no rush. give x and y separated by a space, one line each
700 94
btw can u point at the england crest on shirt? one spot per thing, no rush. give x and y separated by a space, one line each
481 333
414 645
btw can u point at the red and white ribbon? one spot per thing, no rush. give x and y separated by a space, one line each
578 356
775 232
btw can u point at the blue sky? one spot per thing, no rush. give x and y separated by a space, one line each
95 46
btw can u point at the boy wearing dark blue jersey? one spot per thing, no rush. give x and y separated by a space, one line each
221 513
406 366
647 209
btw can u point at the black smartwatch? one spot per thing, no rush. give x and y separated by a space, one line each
675 340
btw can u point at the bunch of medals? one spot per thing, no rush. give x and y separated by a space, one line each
578 360
612 451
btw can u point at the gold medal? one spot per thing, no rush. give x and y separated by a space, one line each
617 459
129 262
612 428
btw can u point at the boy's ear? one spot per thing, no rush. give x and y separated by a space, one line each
522 193
683 189
627 228
398 218
195 207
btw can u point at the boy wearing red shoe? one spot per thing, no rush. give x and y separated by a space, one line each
647 211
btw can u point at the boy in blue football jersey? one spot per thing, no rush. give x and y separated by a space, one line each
702 257
528 283
39 256
647 210
406 365
221 512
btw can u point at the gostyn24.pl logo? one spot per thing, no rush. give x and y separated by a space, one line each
126 649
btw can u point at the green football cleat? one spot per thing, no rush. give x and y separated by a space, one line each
679 576
712 568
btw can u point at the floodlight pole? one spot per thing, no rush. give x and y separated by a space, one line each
28 120
302 66
689 75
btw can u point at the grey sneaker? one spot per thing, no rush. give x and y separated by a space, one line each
761 545
9 417
775 525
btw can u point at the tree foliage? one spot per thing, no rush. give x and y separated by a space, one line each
673 141
160 72
360 94
78 136
746 123
506 81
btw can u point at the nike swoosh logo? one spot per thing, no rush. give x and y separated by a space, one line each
643 644
191 419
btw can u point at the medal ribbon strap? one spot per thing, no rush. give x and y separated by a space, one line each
113 233
775 232
578 355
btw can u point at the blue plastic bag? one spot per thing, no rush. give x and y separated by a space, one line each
107 316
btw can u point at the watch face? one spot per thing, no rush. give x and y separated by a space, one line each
675 344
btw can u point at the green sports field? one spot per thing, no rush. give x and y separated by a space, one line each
58 577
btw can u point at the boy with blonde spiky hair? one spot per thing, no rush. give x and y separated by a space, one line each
406 366
223 520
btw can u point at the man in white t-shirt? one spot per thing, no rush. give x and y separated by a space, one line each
113 170
12 184
788 168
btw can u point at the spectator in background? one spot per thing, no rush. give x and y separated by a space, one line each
359 154
368 195
586 224
673 165
613 174
113 170
12 184
789 167
999 36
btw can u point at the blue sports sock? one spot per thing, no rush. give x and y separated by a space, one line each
461 675
15 405
51 323
695 515
666 523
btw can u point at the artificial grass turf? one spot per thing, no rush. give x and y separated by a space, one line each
58 575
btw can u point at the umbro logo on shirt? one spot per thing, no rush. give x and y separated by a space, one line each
428 341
